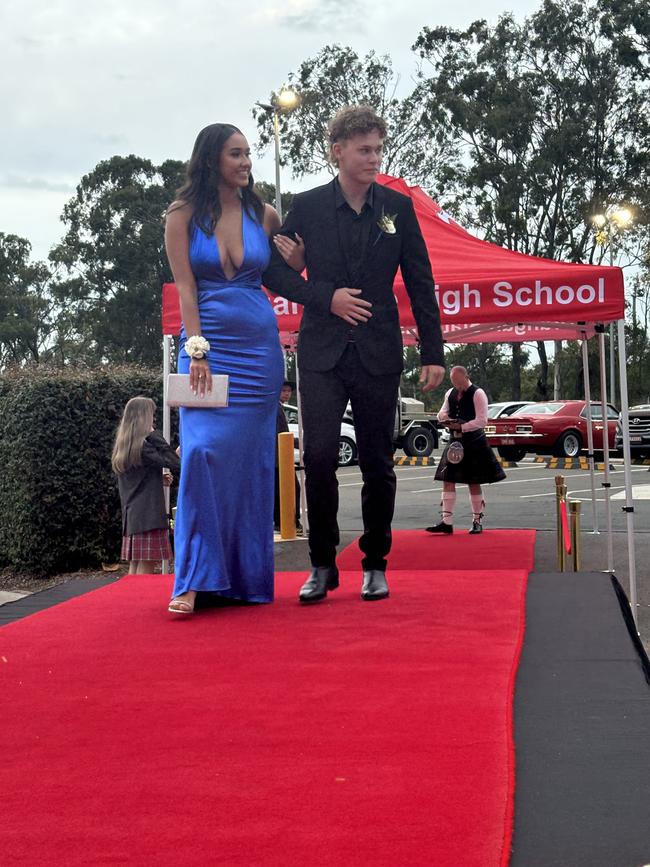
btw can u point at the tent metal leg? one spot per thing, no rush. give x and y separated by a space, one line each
627 463
590 432
167 427
606 483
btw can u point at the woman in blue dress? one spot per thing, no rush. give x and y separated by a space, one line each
217 241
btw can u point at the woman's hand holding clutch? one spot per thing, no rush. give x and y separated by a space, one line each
200 376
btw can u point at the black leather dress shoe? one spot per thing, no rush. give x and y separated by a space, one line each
322 579
477 528
441 528
374 585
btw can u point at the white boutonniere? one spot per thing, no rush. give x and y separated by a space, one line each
387 223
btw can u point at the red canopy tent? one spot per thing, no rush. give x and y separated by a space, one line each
487 293
479 284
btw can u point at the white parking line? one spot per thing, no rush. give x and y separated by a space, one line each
639 492
599 488
411 479
569 493
508 482
419 478
398 469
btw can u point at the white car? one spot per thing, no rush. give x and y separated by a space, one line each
495 410
347 441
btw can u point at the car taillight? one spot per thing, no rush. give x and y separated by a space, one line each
524 428
489 428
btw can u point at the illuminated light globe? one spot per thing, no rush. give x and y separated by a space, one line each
622 216
287 98
599 220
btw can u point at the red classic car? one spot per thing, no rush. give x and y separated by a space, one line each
556 427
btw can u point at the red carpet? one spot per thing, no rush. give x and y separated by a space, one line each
344 734
417 549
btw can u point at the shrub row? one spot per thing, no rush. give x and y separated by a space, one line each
59 505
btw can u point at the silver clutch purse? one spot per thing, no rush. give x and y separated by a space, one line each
179 392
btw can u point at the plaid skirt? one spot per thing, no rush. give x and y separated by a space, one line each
152 545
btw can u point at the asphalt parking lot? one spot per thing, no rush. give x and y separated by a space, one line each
526 498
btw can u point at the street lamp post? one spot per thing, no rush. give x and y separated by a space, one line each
285 101
276 133
610 224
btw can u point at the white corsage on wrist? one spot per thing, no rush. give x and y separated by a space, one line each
197 347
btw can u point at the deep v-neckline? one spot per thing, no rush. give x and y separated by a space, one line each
243 247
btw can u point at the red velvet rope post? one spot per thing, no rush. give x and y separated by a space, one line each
565 526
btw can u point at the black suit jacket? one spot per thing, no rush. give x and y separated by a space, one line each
323 336
141 488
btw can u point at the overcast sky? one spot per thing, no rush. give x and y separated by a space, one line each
82 81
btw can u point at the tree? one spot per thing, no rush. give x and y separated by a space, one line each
549 126
627 23
112 264
485 363
266 192
336 77
25 307
638 347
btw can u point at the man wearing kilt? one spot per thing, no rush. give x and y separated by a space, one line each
467 458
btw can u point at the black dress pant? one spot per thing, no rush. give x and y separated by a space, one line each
324 396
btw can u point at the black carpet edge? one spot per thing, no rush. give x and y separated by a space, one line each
10 612
628 619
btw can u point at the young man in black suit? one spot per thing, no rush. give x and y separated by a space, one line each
355 234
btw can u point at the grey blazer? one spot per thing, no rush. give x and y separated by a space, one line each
141 489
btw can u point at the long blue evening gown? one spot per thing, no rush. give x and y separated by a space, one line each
224 520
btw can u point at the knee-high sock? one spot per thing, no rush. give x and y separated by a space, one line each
478 504
447 506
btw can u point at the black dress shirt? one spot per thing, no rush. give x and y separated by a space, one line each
354 235
354 231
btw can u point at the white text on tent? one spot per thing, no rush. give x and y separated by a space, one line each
453 301
540 296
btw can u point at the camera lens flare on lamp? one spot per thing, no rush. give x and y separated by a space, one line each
287 98
599 220
622 216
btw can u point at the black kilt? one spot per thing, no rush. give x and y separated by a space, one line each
479 465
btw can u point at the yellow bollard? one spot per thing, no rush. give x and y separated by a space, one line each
560 494
575 533
287 475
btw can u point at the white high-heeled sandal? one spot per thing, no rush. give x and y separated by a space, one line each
180 606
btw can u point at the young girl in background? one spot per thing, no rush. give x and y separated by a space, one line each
139 455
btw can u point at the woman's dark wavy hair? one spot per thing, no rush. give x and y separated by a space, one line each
200 189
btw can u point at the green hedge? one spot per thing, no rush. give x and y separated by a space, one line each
59 505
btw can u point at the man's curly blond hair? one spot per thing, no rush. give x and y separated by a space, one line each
354 120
